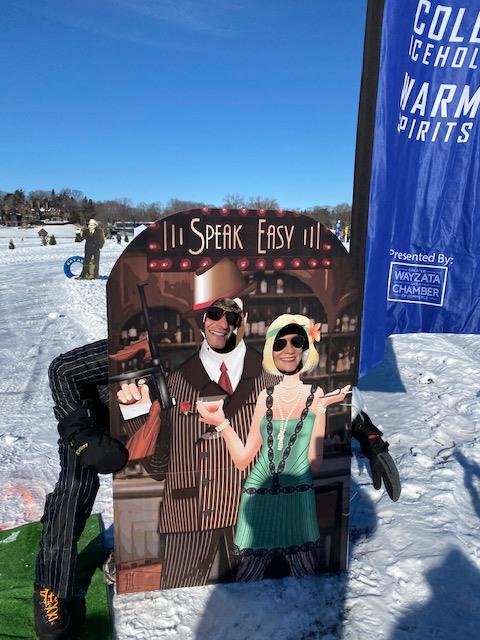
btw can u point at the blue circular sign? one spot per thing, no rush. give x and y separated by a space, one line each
68 264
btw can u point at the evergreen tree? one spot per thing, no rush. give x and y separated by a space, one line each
52 240
11 245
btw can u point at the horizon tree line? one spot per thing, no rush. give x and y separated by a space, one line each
20 209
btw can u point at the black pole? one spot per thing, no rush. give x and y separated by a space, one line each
160 388
364 148
148 325
155 374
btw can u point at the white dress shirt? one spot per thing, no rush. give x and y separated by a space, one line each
233 360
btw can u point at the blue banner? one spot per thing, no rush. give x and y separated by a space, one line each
422 262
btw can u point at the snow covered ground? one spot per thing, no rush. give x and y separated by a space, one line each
62 233
414 565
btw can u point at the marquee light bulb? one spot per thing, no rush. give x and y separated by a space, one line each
165 264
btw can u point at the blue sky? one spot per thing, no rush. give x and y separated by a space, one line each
154 99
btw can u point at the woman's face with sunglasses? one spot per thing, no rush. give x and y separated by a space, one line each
287 352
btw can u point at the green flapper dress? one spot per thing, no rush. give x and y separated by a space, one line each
277 511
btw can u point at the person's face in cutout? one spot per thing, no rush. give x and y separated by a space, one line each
217 331
287 352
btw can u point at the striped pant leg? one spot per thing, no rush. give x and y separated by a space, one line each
190 556
302 563
66 511
252 568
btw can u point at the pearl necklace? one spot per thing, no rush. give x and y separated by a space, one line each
282 388
284 421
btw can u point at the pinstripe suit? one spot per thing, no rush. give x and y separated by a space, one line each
202 486
75 377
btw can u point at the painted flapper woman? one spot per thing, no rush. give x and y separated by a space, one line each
277 514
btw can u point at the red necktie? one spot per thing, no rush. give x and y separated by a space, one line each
224 380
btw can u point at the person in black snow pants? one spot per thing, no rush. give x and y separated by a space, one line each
78 382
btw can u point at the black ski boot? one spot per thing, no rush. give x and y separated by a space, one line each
52 619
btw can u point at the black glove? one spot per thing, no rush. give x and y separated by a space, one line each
94 448
376 450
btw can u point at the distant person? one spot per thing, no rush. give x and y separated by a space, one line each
94 241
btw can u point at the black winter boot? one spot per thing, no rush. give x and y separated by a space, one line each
52 619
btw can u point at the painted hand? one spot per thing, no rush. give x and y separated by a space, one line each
134 392
211 412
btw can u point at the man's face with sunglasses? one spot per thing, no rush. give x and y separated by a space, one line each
287 352
220 320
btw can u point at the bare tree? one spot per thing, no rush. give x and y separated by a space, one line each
261 202
175 205
342 212
234 201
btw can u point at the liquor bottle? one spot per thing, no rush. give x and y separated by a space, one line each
347 359
339 367
247 325
353 324
132 334
333 362
178 331
269 316
263 286
337 325
254 324
261 325
345 322
165 337
324 328
124 338
322 359
279 286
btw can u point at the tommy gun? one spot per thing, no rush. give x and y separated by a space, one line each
155 374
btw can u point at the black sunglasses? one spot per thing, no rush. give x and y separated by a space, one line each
297 341
215 313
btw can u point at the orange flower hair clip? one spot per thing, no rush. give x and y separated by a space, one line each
314 332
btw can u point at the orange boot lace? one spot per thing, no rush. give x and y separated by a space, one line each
50 602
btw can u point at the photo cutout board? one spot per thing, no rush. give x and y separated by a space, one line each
214 305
